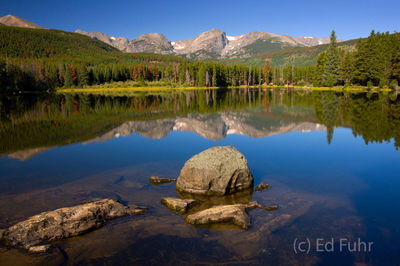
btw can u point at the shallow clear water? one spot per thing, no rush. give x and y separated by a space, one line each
331 160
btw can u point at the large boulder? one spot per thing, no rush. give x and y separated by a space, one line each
64 223
218 171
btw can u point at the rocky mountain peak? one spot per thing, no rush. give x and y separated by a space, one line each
236 43
207 43
152 41
159 41
14 21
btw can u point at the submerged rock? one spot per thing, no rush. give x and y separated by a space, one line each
178 205
228 214
231 214
218 170
39 249
262 187
65 222
207 201
155 180
255 204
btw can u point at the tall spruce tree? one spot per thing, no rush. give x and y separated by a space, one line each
319 70
83 76
68 82
347 68
332 64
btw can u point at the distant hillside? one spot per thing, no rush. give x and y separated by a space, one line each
37 43
298 56
14 21
28 43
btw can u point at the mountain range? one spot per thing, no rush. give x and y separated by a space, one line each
251 48
211 44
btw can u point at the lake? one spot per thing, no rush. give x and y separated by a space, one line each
331 159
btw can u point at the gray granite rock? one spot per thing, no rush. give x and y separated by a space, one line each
178 205
235 214
231 214
218 170
65 222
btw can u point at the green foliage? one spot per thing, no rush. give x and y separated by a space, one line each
330 81
53 59
37 43
347 68
83 78
319 71
264 45
393 85
49 59
376 58
374 62
383 83
298 56
331 72
68 82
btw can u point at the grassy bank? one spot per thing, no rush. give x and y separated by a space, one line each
117 87
131 89
131 86
340 88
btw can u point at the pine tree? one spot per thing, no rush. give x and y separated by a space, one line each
214 76
319 70
332 63
68 82
202 75
83 76
347 68
266 72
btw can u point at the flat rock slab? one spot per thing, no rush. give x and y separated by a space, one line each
215 171
65 222
178 205
231 214
39 248
155 180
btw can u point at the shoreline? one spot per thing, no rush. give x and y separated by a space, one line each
167 88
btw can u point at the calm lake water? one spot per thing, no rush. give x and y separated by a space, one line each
331 159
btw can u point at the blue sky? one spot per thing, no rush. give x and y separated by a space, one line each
179 20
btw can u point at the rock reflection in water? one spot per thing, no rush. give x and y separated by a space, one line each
206 202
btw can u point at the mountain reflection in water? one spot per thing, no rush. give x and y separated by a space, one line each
32 124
